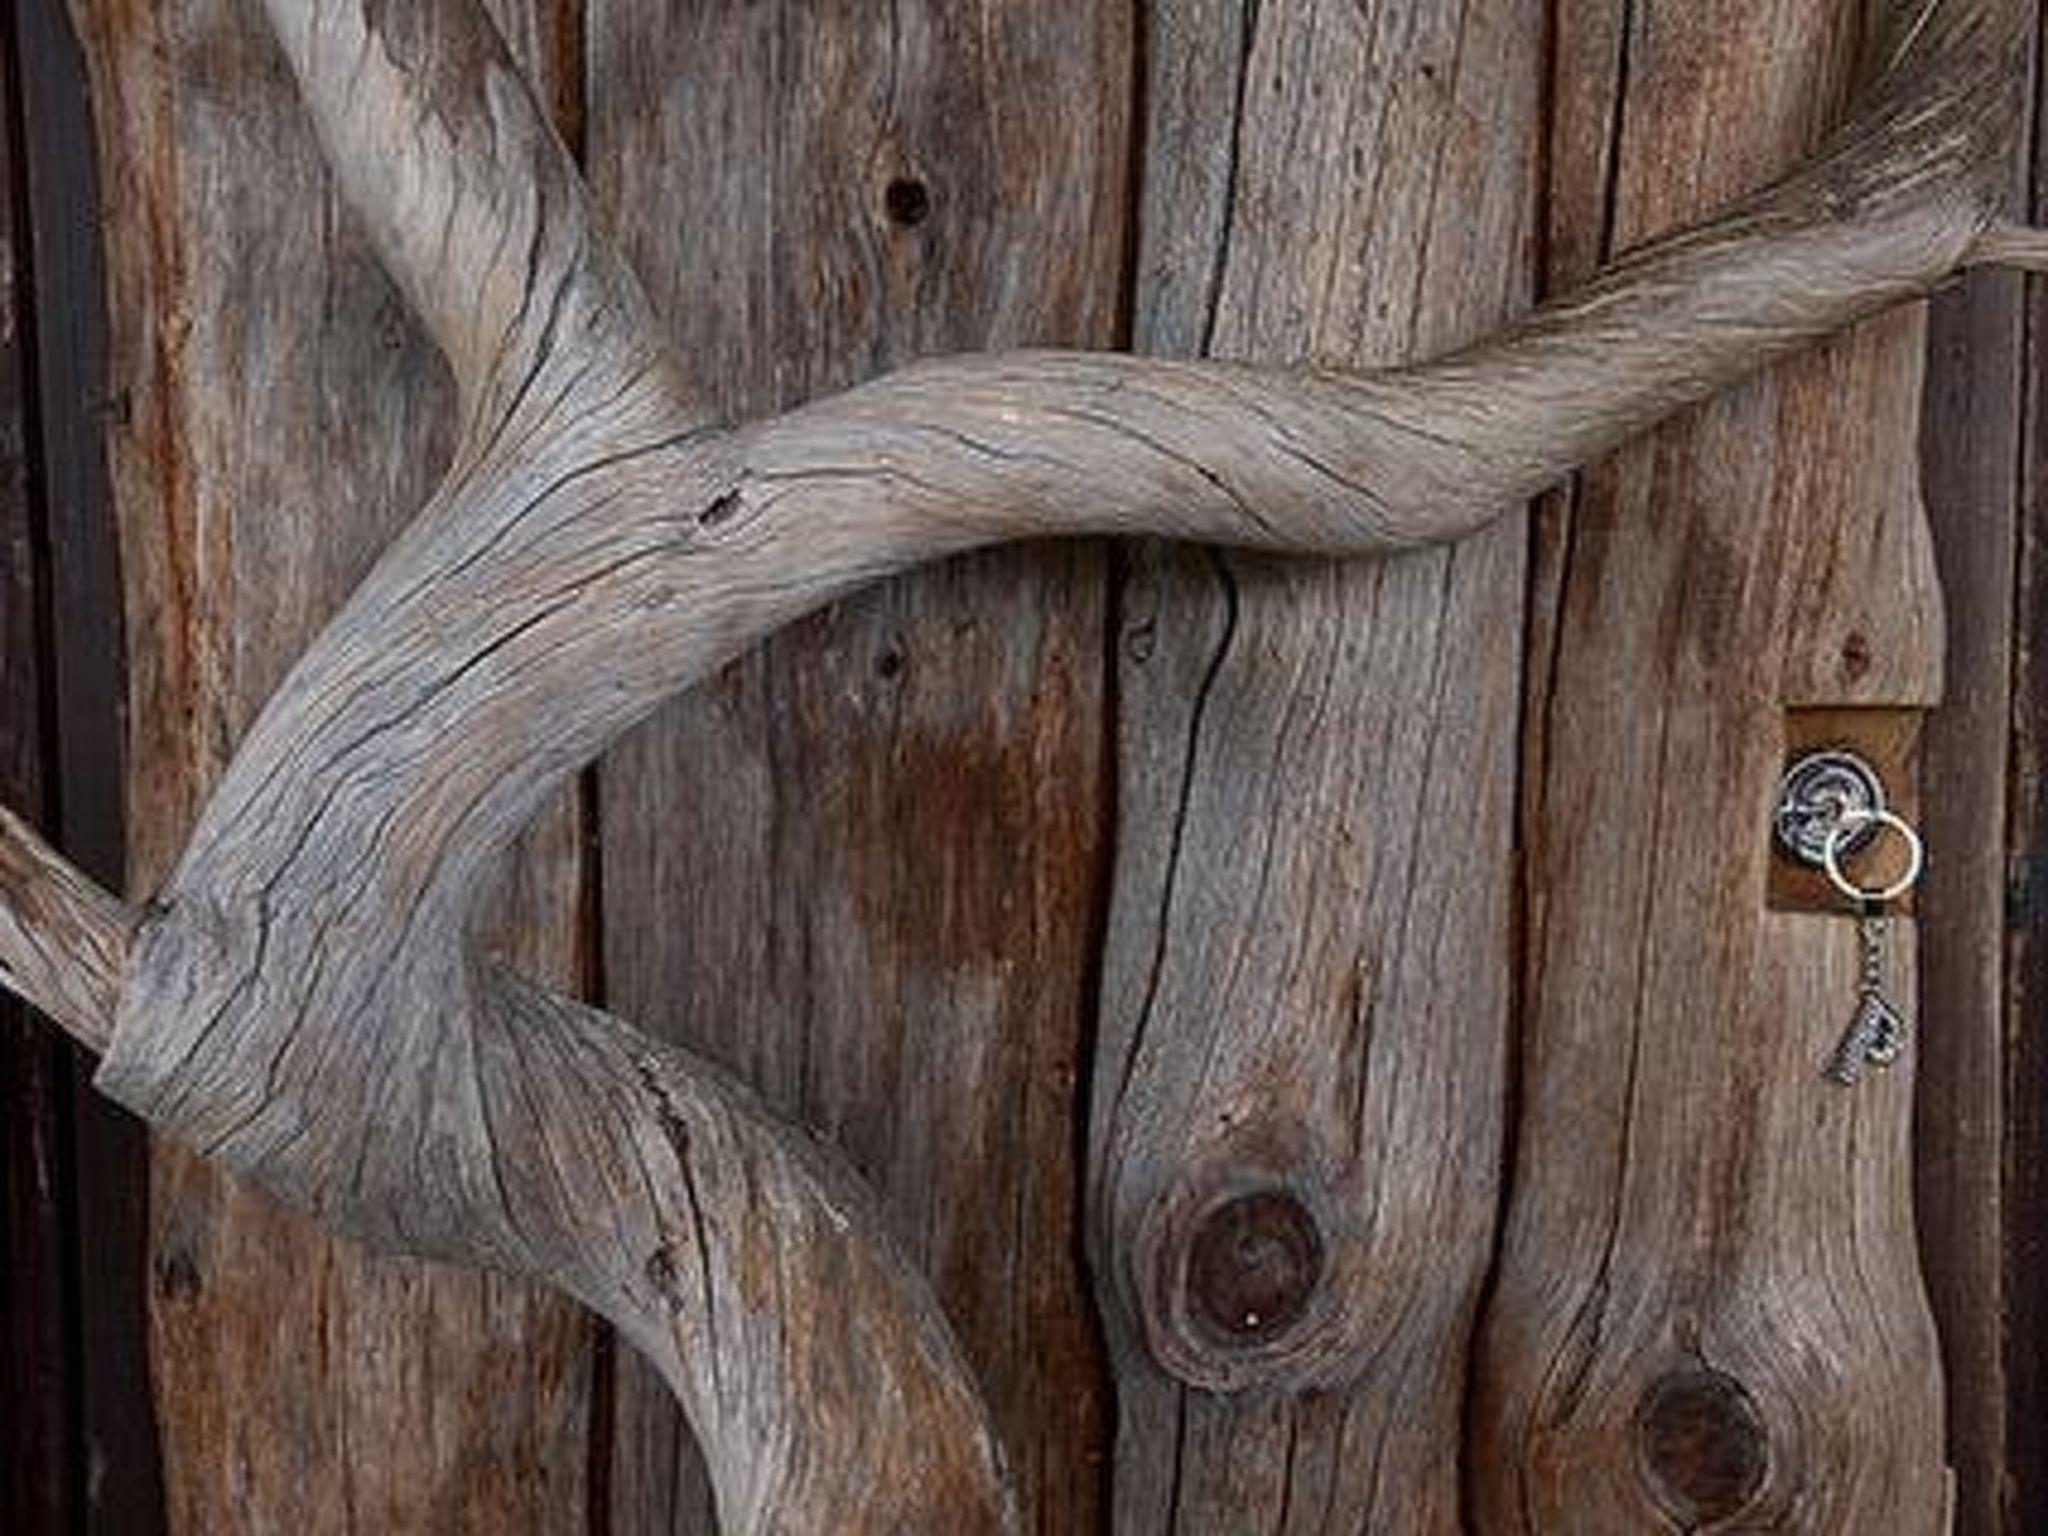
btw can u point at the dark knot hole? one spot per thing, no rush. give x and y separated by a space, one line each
907 201
1702 1445
1253 1266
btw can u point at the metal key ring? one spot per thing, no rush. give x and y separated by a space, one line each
1853 820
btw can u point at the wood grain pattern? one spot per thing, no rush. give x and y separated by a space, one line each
862 866
1314 806
303 1001
76 987
1708 1310
278 418
2023 1491
1971 447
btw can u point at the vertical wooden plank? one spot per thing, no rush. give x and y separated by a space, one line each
863 866
39 1452
1970 444
276 419
1307 976
120 1487
1708 1313
2025 1482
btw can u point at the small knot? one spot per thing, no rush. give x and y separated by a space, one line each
1702 1446
1252 1267
907 201
1857 656
665 1275
176 1273
1232 1264
720 510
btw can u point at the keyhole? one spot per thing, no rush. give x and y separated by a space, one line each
907 201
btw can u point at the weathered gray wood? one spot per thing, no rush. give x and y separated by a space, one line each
276 419
302 1001
1708 1310
1308 966
863 865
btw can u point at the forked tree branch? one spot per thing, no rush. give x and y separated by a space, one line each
473 203
303 999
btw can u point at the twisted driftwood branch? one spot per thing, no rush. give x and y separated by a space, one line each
302 1001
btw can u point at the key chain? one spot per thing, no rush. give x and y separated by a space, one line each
1830 806
1877 1031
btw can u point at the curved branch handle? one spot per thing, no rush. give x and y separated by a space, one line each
743 1261
302 1001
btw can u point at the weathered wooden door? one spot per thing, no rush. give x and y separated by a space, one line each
1332 1033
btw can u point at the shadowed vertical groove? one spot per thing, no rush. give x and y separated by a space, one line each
1543 592
42 1463
2030 748
2026 970
571 105
1180 1447
1544 165
1540 596
569 108
591 980
1116 572
1973 448
1617 130
42 559
1124 326
64 349
1212 305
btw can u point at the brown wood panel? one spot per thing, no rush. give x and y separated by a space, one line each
864 865
275 419
1971 437
1708 1311
769 838
1307 976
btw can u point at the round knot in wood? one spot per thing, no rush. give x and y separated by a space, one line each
907 201
1252 1266
1702 1446
1235 1265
